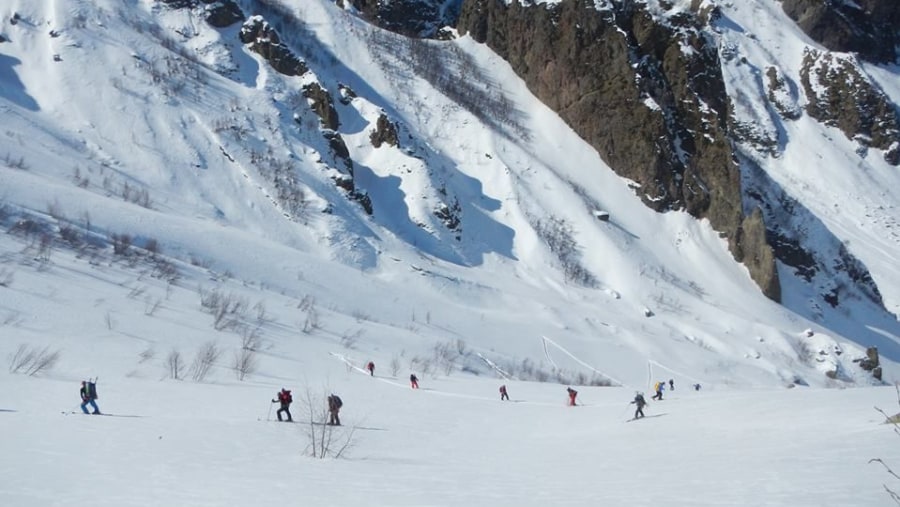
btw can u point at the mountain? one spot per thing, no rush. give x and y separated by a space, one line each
564 190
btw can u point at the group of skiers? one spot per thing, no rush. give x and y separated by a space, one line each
88 393
285 399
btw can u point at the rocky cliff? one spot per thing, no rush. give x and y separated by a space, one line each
646 92
868 27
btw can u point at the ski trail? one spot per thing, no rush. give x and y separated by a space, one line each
670 370
431 391
546 340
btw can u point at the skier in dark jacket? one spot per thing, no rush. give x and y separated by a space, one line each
88 393
413 381
371 368
334 407
503 394
285 398
640 402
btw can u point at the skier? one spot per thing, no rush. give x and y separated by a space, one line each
371 368
572 394
88 394
639 401
503 395
413 381
658 387
334 406
671 385
696 387
285 398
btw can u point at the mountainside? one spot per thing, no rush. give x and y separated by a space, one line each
586 187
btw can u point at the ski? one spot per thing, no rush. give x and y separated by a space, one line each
73 412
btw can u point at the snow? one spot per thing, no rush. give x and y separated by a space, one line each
328 287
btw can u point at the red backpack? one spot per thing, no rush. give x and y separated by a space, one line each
285 397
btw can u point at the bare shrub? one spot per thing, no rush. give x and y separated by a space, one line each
148 354
121 244
361 316
6 277
12 319
251 337
204 360
165 270
151 306
325 441
348 339
228 310
395 365
445 356
894 420
245 363
311 323
175 365
15 163
307 302
559 238
32 360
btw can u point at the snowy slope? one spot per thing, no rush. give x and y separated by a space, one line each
141 121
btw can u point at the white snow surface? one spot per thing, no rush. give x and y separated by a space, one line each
111 101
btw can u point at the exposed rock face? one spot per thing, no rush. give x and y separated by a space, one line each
751 249
323 105
842 96
414 18
655 112
262 39
870 362
385 132
222 13
868 27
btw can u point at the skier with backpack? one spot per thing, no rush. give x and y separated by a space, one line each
503 395
334 407
572 394
285 398
89 396
658 387
640 402
371 368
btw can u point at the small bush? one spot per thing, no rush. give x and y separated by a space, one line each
175 365
204 360
245 363
32 361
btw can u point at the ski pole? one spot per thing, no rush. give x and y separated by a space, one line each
269 413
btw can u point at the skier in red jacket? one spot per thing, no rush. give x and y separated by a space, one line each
572 394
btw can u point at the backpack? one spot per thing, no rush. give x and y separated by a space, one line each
92 391
336 401
285 397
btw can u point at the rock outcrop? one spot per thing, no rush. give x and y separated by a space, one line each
413 18
262 39
648 95
841 95
870 28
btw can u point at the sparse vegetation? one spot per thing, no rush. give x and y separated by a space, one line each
245 363
325 441
175 365
29 360
558 236
206 357
895 421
